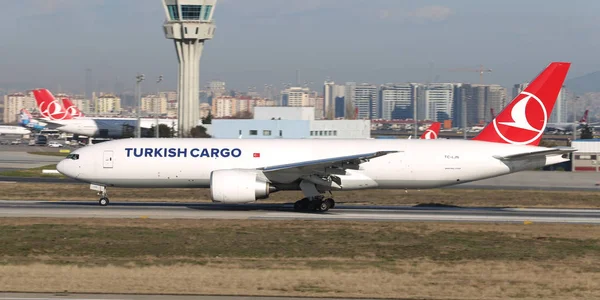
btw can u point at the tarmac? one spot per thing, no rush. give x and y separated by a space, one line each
267 211
24 160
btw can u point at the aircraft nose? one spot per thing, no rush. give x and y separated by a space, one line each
64 168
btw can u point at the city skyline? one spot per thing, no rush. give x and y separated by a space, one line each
257 43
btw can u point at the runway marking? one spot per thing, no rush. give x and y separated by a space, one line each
433 217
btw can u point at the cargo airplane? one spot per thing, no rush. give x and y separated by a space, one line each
245 170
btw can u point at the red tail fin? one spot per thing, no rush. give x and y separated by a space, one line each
523 121
49 107
432 132
41 104
585 116
26 112
71 109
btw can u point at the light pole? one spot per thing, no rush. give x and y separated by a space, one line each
575 124
139 78
464 117
158 98
415 93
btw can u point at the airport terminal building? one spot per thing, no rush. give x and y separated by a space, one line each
291 123
587 156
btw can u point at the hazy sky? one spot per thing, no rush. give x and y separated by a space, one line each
50 43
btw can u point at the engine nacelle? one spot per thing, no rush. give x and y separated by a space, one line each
238 186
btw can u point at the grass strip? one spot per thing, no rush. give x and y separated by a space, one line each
32 172
367 244
300 258
49 153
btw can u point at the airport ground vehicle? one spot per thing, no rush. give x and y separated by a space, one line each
39 140
55 145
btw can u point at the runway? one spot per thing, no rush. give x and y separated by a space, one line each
46 209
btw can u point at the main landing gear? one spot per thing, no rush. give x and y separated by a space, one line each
318 203
313 200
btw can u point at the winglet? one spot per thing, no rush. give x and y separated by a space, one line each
524 120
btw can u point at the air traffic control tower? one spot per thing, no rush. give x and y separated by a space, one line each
189 23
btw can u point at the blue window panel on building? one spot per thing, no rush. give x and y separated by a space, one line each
173 12
207 10
191 12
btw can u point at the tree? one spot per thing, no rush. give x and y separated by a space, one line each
163 131
207 119
199 132
587 132
243 115
128 131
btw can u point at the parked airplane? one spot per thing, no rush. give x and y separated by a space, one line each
13 130
245 170
431 133
26 120
571 126
72 109
61 119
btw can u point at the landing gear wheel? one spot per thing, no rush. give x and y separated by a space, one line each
314 205
103 201
331 202
324 206
301 205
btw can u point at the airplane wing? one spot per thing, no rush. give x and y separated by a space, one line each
322 167
550 151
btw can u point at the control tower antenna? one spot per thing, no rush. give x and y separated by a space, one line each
189 24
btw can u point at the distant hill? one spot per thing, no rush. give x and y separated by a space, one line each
589 83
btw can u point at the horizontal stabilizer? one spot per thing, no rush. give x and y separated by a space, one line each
550 151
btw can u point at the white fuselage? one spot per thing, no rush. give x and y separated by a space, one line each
418 164
112 127
13 130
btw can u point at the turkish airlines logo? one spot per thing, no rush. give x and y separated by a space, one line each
526 123
72 110
430 135
54 111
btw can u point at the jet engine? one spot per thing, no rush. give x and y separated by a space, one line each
238 186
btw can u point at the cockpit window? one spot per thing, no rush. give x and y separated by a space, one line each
73 156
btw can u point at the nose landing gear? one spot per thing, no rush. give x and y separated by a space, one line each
102 192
